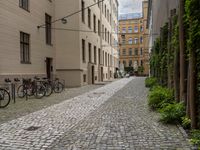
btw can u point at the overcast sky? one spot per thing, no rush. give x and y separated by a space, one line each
130 6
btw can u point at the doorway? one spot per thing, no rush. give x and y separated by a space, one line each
102 74
49 67
92 74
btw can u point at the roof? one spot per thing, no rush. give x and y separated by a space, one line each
130 16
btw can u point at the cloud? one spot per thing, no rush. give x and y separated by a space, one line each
130 6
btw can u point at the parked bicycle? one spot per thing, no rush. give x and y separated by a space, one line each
4 98
31 88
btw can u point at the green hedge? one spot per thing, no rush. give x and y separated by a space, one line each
172 113
150 82
159 97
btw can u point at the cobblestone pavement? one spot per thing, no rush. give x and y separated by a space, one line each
39 130
124 122
23 107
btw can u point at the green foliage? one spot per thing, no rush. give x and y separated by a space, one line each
150 82
172 113
128 69
159 97
186 122
195 137
140 69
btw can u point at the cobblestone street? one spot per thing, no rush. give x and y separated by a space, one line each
113 117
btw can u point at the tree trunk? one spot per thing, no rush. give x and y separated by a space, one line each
182 52
176 75
193 91
169 63
188 94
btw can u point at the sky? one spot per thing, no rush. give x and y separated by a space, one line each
130 6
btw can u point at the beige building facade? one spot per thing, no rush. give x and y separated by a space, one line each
134 39
79 50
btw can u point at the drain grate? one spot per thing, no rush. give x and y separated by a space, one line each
32 128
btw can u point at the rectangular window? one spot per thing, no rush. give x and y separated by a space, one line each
141 51
95 54
25 47
89 17
94 19
83 11
89 52
48 29
83 50
99 28
99 56
136 51
24 4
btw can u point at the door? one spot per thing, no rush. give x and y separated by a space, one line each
101 74
49 67
92 74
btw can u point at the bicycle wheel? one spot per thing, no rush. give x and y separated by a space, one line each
4 98
39 91
21 91
58 87
48 89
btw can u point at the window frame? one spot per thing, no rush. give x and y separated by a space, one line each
24 52
25 7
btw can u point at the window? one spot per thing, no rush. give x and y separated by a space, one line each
89 51
141 39
130 63
105 59
95 54
135 40
130 51
136 51
105 11
141 51
25 47
124 30
130 41
124 62
105 34
124 52
24 4
94 19
83 11
141 28
130 30
102 31
99 27
141 63
83 50
99 56
89 17
99 3
48 29
136 29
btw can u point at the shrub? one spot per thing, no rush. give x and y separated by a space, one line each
159 97
172 113
186 122
150 82
195 137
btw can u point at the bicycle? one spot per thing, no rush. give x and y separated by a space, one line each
57 86
4 98
46 84
30 88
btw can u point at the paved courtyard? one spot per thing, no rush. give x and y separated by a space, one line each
112 117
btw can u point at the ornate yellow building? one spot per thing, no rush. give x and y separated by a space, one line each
133 41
